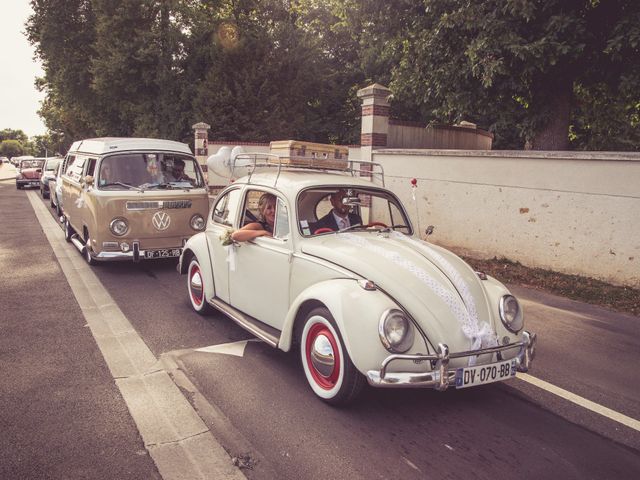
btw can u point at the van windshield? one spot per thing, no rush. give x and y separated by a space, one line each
149 171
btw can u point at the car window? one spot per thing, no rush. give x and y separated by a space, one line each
226 208
91 166
68 162
281 229
365 206
52 164
74 170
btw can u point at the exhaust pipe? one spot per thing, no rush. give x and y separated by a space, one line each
77 243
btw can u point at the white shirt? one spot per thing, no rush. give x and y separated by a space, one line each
341 222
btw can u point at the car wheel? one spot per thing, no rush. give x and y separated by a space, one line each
68 230
51 204
87 253
44 194
58 210
326 363
195 286
18 187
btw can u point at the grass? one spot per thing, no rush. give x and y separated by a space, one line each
584 289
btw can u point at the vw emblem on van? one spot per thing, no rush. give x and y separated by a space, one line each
161 221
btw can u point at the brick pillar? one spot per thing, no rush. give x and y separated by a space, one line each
201 143
375 119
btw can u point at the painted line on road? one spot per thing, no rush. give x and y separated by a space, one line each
178 440
581 401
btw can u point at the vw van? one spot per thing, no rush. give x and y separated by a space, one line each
131 198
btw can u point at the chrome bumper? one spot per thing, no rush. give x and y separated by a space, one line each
441 376
134 255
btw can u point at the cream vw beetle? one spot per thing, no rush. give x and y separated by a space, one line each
369 303
131 198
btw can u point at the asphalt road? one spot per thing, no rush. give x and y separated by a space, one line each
62 416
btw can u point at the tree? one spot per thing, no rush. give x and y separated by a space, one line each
10 134
517 63
11 148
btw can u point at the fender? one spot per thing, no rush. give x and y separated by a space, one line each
197 246
357 313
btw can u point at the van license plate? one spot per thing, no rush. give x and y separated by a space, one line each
163 253
481 374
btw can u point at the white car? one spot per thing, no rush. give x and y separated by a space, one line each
370 303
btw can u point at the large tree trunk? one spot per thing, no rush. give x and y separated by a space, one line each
554 135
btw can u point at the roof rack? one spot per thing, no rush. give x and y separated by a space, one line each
356 168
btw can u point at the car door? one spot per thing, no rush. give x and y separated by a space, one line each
223 218
259 279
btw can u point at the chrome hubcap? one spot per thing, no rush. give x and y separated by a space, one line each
322 356
196 284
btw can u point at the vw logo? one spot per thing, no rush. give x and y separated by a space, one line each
161 221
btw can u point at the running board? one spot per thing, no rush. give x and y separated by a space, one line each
264 332
77 242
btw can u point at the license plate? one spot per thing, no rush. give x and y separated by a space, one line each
163 253
481 374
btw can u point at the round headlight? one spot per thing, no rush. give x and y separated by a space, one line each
197 222
119 226
396 331
511 313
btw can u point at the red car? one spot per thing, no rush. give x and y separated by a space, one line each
29 172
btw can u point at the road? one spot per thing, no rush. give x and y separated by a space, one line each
255 400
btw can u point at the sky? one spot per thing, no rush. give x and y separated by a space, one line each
19 99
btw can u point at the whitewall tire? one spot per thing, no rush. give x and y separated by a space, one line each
326 362
195 287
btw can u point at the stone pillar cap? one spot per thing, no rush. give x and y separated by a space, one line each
201 125
375 90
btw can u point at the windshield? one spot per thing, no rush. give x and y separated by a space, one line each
332 209
149 171
52 164
31 164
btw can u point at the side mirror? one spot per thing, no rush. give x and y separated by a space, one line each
429 230
88 180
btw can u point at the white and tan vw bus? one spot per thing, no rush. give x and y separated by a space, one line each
132 198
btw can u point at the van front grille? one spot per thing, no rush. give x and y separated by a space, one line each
155 205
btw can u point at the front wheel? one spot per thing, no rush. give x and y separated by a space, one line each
326 362
195 287
87 253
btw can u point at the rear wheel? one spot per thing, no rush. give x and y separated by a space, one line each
195 286
68 230
326 362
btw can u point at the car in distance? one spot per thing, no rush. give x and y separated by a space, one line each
29 172
55 190
372 303
131 198
48 173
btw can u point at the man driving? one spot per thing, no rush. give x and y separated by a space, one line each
340 216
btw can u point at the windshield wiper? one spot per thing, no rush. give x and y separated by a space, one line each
126 185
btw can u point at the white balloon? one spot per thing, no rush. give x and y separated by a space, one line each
219 163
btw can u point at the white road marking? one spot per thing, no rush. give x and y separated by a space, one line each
581 401
235 348
177 439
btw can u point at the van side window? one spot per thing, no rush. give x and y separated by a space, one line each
91 167
68 162
226 208
74 171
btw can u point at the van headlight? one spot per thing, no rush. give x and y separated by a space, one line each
511 313
197 222
396 331
119 226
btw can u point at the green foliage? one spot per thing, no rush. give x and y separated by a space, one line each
259 70
11 148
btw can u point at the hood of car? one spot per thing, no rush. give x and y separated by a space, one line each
437 288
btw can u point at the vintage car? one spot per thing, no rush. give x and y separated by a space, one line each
131 198
48 173
370 303
29 172
55 190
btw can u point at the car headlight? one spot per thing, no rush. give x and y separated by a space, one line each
396 331
119 226
197 222
511 313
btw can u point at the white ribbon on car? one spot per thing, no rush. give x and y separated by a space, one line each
464 311
231 256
